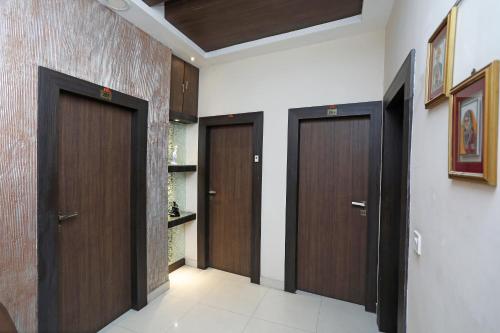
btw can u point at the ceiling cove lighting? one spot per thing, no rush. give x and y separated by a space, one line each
118 5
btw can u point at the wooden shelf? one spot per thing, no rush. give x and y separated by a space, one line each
181 168
180 117
184 218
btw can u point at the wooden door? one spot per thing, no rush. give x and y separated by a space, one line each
332 233
230 198
191 77
176 85
94 253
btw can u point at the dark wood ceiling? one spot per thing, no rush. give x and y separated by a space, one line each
215 24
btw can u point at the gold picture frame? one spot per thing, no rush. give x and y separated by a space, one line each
441 47
482 120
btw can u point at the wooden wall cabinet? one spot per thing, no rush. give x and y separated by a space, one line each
184 91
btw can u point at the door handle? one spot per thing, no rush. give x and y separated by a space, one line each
66 217
361 204
212 193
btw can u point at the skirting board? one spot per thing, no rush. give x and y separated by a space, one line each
266 282
158 291
272 283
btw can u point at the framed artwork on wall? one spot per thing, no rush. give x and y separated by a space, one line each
473 128
440 56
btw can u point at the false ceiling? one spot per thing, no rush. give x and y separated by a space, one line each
217 24
250 24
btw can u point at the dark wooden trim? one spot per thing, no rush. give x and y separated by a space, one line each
256 119
373 110
176 265
154 2
180 117
50 85
397 99
184 218
181 168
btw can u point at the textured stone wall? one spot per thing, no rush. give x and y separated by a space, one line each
84 39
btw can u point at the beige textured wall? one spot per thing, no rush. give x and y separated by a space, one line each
83 39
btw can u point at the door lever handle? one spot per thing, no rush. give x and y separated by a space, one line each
212 193
361 204
66 217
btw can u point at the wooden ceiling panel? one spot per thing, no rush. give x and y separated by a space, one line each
215 24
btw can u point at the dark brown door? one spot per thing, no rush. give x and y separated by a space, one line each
332 233
94 254
230 198
177 85
191 75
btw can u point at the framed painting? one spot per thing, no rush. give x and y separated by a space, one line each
473 126
440 56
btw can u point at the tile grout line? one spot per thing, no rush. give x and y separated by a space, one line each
197 302
280 323
319 313
283 325
255 310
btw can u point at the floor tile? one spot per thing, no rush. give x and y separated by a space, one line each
239 297
157 316
215 301
193 284
262 326
225 276
112 328
298 311
343 317
206 319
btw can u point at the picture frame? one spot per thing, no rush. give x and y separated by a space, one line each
440 58
473 126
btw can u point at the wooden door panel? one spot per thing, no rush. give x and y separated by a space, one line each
176 83
191 78
332 234
230 209
94 257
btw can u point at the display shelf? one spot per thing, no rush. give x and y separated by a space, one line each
181 168
184 218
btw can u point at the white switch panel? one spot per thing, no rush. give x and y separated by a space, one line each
417 239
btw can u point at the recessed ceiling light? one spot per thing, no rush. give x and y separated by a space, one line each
118 5
193 59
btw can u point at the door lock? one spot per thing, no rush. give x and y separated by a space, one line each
362 205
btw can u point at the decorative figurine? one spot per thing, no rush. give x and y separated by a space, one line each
174 155
174 211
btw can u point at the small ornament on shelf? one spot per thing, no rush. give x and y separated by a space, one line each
174 211
174 155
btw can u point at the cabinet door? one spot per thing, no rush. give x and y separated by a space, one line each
191 78
176 82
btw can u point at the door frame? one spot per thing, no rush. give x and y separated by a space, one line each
402 87
50 86
374 111
256 119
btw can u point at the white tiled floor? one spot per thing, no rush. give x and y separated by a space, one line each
213 301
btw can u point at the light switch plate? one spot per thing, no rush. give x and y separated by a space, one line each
417 239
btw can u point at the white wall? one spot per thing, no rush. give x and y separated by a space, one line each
341 71
454 286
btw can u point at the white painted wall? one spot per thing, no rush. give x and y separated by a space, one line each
342 71
454 286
